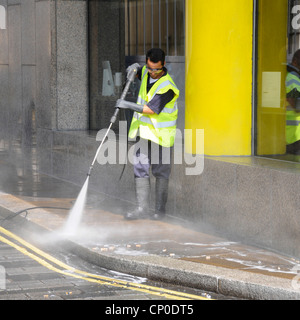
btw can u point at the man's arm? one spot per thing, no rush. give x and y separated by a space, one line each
156 105
147 110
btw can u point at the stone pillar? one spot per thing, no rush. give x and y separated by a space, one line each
61 64
71 65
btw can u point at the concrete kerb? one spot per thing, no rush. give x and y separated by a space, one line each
236 283
220 280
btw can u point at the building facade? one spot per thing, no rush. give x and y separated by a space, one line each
62 66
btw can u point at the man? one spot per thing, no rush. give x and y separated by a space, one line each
155 118
293 107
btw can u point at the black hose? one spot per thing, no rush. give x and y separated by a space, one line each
32 208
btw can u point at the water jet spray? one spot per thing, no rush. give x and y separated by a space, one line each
76 212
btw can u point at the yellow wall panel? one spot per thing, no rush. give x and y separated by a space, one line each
219 74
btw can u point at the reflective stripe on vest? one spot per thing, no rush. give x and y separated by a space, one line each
157 125
292 117
292 82
292 122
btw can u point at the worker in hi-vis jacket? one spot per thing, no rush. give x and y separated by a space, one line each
154 121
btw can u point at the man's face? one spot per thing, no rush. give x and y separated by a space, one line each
155 69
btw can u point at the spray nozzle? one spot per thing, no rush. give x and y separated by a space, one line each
132 74
90 171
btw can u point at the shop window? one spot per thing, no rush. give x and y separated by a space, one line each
278 80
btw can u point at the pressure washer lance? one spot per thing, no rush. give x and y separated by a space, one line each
130 78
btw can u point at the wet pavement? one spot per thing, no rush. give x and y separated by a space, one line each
171 250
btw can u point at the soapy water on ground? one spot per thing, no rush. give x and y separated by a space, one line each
225 254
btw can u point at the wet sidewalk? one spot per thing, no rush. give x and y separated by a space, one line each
169 250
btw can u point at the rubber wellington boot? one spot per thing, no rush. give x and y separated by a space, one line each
161 197
142 191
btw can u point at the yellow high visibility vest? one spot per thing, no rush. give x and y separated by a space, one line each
159 128
292 117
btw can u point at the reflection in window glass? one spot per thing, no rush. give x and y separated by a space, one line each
293 81
278 79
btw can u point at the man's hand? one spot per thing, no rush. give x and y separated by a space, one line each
122 104
132 70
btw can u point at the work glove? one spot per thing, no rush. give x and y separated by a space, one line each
122 104
132 70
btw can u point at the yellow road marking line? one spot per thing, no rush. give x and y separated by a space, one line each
73 272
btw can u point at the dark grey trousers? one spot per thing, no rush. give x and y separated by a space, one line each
149 155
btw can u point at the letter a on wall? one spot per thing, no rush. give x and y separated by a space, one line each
2 17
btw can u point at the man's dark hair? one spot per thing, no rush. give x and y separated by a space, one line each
296 57
155 55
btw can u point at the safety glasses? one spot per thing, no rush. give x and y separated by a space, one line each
156 71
